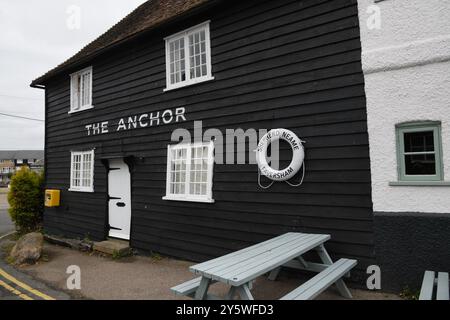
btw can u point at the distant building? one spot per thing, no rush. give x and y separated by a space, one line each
6 170
11 161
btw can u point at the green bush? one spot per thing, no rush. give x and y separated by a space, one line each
26 200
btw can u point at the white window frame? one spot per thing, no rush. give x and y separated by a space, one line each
81 73
185 34
81 154
187 197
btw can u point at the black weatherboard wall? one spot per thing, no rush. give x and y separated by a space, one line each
277 64
407 244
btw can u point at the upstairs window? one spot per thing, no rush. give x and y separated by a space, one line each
188 57
81 90
82 171
190 172
420 152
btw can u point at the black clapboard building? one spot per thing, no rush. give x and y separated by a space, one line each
112 108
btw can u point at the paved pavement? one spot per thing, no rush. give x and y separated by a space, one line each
144 278
15 285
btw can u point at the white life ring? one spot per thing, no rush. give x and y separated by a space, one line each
297 159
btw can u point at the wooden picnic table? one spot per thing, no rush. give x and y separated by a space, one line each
239 269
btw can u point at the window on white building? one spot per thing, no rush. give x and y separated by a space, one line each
419 151
82 171
190 172
188 57
81 90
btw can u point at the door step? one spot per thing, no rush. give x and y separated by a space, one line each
113 247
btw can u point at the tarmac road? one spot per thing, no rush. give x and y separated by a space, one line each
6 224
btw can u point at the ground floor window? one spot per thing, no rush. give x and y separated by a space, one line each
82 171
190 172
419 151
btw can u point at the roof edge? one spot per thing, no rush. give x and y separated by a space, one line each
40 82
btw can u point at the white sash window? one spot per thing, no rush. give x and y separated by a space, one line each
188 57
81 90
190 172
82 171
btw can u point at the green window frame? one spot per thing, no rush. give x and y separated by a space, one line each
402 153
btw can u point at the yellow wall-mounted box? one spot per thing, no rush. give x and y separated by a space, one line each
52 198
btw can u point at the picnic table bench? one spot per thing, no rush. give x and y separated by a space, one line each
239 269
430 282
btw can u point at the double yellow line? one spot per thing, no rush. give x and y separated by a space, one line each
22 285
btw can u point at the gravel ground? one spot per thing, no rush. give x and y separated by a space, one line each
143 278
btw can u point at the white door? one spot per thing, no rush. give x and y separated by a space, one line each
119 186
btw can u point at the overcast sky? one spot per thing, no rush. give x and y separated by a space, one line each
35 36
